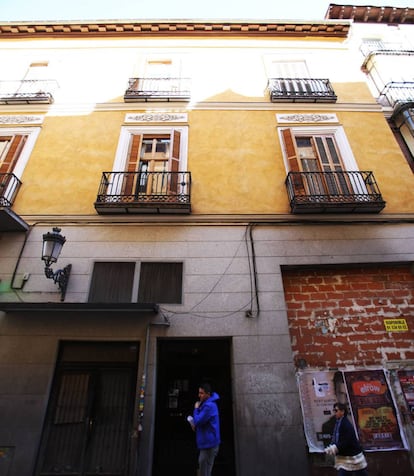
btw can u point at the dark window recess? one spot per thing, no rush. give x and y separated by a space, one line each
160 283
112 282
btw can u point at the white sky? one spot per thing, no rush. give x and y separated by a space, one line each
44 10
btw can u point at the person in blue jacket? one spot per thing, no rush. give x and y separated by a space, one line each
207 428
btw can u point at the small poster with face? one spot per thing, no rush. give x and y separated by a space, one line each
319 391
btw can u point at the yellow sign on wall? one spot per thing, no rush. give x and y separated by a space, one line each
395 325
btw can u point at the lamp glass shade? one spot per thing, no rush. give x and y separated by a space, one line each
52 246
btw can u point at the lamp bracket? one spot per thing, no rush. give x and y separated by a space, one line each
60 277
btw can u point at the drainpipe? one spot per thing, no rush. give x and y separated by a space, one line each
253 271
141 402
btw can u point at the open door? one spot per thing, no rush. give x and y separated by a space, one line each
182 366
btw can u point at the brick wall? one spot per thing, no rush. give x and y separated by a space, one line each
336 315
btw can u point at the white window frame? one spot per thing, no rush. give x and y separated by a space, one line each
270 62
32 133
127 132
125 137
347 156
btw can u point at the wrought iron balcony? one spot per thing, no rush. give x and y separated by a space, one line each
157 89
333 192
144 192
396 93
27 91
9 186
9 220
385 48
300 90
373 48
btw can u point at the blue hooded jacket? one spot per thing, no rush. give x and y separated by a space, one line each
207 424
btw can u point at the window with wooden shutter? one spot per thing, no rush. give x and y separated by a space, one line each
160 282
152 156
292 160
10 150
112 282
149 172
315 153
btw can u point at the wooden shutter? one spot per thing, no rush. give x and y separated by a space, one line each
112 282
293 162
175 160
132 165
160 283
16 146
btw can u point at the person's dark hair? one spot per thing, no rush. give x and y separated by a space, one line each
342 407
206 387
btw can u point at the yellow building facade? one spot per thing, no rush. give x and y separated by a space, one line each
188 165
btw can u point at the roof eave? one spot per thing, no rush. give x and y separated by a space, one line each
118 28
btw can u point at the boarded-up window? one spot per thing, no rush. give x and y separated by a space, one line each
160 282
112 282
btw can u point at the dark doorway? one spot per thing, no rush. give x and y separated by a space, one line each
88 424
182 366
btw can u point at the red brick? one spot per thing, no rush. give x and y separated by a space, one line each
360 332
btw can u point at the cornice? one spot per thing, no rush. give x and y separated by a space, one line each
371 14
150 108
332 29
220 219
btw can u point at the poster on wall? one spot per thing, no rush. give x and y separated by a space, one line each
318 393
374 410
406 378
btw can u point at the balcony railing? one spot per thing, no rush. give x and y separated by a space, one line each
333 192
396 93
157 89
144 192
371 49
27 91
385 48
9 186
300 90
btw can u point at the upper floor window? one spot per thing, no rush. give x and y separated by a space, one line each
32 86
290 81
159 78
323 175
321 148
149 173
389 66
16 145
287 68
149 154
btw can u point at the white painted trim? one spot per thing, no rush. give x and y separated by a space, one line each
125 138
298 118
33 133
22 119
164 117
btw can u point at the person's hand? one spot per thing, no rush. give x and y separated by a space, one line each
331 450
190 420
196 404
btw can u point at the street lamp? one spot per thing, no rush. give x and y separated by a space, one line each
52 246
